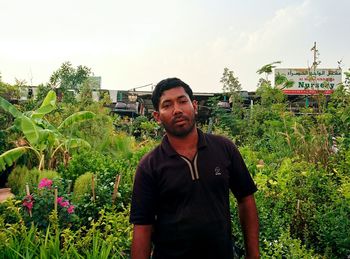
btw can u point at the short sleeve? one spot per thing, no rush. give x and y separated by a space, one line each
241 182
143 198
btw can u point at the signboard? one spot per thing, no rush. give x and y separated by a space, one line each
310 81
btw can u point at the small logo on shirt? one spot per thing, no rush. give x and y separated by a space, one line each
217 170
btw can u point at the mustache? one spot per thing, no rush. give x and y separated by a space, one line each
177 118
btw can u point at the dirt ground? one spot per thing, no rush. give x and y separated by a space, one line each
5 193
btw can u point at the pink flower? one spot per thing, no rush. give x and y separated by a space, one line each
63 203
70 209
59 200
45 183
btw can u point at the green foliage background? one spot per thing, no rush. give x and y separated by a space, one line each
300 163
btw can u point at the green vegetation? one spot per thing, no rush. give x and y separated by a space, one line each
299 162
82 186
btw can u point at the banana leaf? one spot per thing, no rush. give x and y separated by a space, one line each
76 117
48 105
29 130
77 143
10 108
10 156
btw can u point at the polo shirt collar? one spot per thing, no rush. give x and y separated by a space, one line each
170 151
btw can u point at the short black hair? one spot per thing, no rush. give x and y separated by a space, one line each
167 84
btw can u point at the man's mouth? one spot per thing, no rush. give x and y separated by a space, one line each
179 120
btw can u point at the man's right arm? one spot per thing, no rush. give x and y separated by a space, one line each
141 242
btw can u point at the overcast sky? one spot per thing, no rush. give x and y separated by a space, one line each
134 43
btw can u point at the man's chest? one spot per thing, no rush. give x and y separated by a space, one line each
179 177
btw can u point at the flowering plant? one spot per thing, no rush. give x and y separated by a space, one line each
28 202
65 204
41 202
45 183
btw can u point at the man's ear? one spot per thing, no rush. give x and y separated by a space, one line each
156 117
195 106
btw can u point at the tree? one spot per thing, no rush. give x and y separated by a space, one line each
69 79
9 92
42 91
231 85
267 69
268 94
229 121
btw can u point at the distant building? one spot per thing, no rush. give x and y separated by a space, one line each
28 92
135 103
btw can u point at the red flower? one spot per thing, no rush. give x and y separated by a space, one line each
28 202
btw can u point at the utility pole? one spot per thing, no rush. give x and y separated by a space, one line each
316 54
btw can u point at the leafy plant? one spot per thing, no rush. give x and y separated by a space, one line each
82 186
9 211
18 178
286 247
44 140
88 161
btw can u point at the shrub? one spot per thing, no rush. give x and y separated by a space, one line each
9 211
39 204
112 229
17 179
331 226
91 161
47 174
82 186
286 247
88 206
20 176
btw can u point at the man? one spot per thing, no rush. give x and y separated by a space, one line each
180 200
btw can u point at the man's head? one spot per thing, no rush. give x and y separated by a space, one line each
167 84
174 107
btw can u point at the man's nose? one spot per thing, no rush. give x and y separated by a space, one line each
177 108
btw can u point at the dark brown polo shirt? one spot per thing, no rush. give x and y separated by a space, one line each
186 201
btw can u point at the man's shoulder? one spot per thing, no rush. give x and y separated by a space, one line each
220 144
151 157
213 139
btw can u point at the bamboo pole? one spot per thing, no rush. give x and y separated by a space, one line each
116 186
27 189
69 186
93 188
28 193
55 201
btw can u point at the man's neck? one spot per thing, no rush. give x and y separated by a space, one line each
187 145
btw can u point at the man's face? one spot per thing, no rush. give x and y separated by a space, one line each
176 112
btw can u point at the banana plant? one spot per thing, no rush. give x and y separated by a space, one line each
42 138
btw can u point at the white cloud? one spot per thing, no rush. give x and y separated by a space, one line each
288 36
139 42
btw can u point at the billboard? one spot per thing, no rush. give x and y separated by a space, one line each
310 81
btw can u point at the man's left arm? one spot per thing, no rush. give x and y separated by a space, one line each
248 216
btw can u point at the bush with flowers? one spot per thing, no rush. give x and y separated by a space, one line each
38 204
